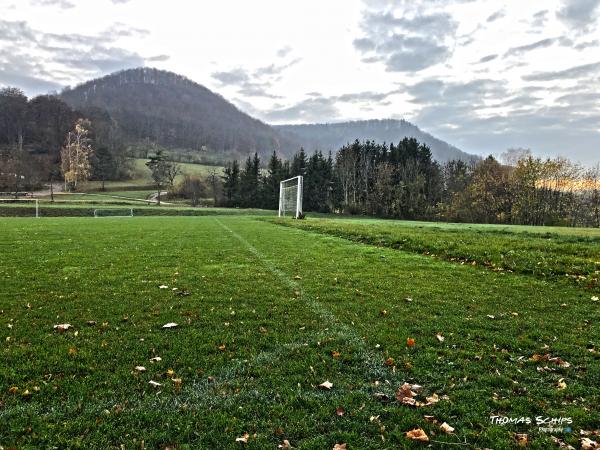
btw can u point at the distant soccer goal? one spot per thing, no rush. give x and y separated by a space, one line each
23 207
115 212
290 197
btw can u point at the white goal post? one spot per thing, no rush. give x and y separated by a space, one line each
22 201
290 197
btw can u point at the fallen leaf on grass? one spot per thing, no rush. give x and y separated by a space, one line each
410 342
163 286
243 439
335 354
588 444
490 316
327 385
405 395
263 330
13 389
140 368
61 328
169 325
285 444
595 298
417 435
154 383
432 400
440 337
170 373
72 351
561 444
560 384
521 439
389 362
90 323
340 411
156 359
297 277
177 383
222 347
446 428
340 447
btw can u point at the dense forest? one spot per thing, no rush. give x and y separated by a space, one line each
33 133
332 136
403 181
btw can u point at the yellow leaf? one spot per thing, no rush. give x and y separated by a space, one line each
417 435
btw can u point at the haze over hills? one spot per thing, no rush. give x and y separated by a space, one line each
179 114
333 136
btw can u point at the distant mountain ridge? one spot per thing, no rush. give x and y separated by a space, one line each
334 135
155 106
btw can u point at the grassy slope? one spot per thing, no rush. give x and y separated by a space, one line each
266 378
545 252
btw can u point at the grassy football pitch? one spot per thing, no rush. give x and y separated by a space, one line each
298 335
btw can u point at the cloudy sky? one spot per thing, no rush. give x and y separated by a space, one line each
482 75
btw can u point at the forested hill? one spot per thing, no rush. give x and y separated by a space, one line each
335 135
173 111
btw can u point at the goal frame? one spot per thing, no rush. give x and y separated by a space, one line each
20 200
300 181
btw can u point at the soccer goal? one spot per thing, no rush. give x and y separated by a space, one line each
290 197
115 212
24 207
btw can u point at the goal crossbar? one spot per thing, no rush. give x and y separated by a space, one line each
290 197
16 201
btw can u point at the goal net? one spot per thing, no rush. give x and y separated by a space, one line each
115 212
290 197
22 207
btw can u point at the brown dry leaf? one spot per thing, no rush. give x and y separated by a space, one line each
285 444
90 323
62 327
560 384
340 411
177 383
432 400
243 439
297 277
521 439
335 354
417 435
72 351
170 373
222 347
588 444
340 447
263 330
156 359
154 383
327 385
405 395
446 428
389 362
410 342
430 419
13 389
211 379
440 337
140 368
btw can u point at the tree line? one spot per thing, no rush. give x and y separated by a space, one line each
403 181
35 132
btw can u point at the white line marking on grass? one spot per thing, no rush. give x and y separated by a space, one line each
372 362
